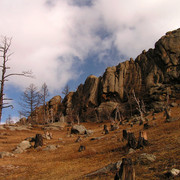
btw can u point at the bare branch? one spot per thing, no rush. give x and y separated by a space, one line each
11 106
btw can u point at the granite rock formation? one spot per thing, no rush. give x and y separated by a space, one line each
153 76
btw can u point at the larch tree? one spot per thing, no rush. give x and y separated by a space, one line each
5 55
66 90
30 99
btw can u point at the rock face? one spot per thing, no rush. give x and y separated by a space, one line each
52 112
153 76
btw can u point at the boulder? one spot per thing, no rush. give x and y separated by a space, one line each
6 154
22 147
78 129
50 148
145 159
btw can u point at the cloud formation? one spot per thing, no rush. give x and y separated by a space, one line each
53 38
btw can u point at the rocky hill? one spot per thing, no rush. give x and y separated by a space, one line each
152 77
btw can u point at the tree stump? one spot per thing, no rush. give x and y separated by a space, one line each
38 140
116 177
81 148
125 134
142 140
127 171
131 141
105 129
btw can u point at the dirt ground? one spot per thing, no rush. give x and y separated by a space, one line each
67 163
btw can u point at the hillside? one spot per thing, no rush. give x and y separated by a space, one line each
66 162
153 76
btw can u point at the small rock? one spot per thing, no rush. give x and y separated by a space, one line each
6 154
18 151
175 172
89 132
50 148
145 159
131 151
173 104
96 138
24 145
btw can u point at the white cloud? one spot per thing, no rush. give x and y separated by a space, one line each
47 36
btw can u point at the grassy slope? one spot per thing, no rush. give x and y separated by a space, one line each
67 163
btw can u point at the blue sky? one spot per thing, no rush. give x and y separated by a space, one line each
64 41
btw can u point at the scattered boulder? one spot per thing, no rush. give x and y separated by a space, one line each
89 132
22 147
106 169
145 159
38 140
47 135
175 172
78 129
96 138
50 148
173 104
6 154
131 151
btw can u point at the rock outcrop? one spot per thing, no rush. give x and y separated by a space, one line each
154 76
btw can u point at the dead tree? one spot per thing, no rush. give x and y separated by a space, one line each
38 140
127 171
5 54
44 94
140 105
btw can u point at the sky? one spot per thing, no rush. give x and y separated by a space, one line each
64 41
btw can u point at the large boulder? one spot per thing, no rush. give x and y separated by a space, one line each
78 129
22 147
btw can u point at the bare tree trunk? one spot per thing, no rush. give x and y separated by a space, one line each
127 171
4 50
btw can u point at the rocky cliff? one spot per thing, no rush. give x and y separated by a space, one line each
153 76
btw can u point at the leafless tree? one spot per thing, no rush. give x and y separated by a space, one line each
30 99
44 94
9 120
5 54
140 105
66 90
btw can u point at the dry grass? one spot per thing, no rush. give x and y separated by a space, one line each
67 163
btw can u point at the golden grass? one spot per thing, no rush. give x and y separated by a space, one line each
67 163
